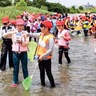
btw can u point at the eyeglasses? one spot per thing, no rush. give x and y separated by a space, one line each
5 23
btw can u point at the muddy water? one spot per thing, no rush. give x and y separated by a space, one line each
76 79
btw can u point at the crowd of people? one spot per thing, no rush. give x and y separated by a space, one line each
46 30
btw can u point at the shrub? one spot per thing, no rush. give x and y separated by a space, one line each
29 3
4 3
22 5
44 8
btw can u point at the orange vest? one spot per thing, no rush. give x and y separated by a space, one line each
43 41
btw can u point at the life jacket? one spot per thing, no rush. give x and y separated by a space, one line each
43 41
18 46
72 25
61 41
78 26
86 25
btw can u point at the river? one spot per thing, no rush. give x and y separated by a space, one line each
76 79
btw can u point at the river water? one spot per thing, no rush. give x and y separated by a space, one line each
76 79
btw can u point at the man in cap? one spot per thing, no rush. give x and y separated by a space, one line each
6 44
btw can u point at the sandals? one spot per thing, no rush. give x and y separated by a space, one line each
14 85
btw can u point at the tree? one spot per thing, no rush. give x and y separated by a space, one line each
22 5
16 1
74 10
56 7
29 3
44 8
81 8
39 3
73 7
4 3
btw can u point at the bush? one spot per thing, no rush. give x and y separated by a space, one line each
29 3
4 3
56 7
44 8
22 5
81 8
12 12
74 10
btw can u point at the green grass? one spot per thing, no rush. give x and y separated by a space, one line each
92 10
12 12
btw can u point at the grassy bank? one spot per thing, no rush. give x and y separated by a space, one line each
92 10
12 12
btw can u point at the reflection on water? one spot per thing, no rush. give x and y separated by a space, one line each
64 75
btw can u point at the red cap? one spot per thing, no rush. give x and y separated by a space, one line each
18 17
54 17
13 22
84 18
68 18
5 19
73 18
76 18
60 23
47 24
19 22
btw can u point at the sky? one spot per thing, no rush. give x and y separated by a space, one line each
69 3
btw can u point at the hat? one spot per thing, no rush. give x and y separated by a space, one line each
13 22
73 18
39 18
84 18
19 22
18 17
60 23
47 24
5 19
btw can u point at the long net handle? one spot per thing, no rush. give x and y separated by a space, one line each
34 70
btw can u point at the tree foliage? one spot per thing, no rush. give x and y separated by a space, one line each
30 3
44 8
81 8
4 3
22 5
41 4
73 10
56 7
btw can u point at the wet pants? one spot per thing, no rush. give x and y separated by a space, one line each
65 50
16 60
6 49
85 32
45 65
